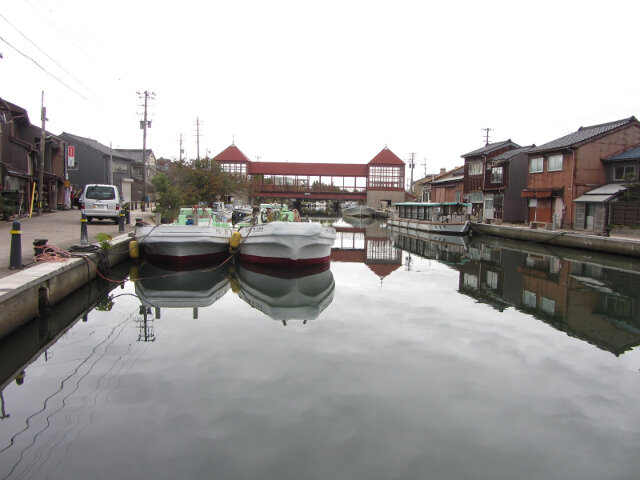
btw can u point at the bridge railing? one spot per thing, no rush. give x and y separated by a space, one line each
271 188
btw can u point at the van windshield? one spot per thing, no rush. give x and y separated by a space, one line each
100 193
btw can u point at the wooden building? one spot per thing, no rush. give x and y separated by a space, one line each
566 168
20 163
505 176
448 187
475 172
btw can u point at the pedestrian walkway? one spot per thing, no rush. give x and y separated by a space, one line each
61 229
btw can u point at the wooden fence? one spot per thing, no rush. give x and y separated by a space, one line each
625 213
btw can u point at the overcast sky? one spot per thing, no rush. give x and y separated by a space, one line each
330 81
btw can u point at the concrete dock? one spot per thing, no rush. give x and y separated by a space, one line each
25 292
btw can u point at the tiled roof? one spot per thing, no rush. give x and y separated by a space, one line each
491 147
94 144
386 157
231 154
582 134
503 157
602 194
631 154
134 153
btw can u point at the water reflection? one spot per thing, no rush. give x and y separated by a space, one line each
595 300
157 286
366 242
285 294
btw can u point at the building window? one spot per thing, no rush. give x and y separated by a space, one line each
548 306
476 197
475 167
488 203
496 175
554 163
492 280
386 176
470 281
620 173
529 299
535 165
458 194
235 168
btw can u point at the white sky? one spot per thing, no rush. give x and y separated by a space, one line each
329 81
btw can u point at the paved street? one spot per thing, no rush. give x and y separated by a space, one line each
61 229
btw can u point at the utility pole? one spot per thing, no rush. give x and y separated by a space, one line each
411 166
144 124
110 173
181 149
425 167
198 138
43 116
486 131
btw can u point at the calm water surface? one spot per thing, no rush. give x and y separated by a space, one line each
410 358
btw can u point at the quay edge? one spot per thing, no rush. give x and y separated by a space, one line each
28 293
561 238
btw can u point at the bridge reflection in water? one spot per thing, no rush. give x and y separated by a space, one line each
589 296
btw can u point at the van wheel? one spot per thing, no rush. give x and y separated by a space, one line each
116 221
89 219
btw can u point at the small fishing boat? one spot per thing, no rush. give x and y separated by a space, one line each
446 217
285 294
197 236
356 210
280 237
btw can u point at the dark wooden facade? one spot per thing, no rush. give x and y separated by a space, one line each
475 172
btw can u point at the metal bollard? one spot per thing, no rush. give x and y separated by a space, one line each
15 257
121 222
84 236
127 215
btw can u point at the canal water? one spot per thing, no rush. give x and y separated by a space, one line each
409 358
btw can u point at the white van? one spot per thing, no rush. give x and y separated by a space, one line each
101 202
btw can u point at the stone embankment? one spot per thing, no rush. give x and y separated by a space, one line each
27 291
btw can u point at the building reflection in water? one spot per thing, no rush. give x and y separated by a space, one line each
366 241
590 297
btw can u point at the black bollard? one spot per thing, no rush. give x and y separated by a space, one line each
127 215
84 236
121 222
15 257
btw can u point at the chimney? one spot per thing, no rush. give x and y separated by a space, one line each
443 170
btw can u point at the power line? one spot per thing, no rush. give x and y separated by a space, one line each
46 71
46 54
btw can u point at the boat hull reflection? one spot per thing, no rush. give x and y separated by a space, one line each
160 287
286 294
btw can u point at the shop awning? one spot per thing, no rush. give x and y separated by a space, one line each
537 193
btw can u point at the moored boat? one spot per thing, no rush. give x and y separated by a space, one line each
445 217
194 238
279 237
357 210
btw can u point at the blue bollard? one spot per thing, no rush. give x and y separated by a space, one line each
121 222
84 236
15 257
